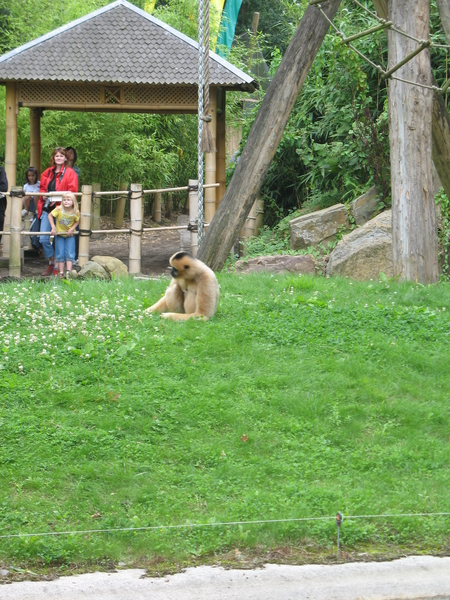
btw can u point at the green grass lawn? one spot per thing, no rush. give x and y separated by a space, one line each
303 396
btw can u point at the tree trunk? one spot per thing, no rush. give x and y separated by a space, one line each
414 232
444 12
441 119
265 135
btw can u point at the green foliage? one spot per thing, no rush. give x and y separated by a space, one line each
301 397
444 232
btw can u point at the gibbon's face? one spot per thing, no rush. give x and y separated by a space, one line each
182 265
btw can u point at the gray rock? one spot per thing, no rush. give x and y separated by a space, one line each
4 573
320 226
366 206
112 265
92 270
277 264
365 252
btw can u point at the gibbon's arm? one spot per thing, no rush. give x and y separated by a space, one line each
172 300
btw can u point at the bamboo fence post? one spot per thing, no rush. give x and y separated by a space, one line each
210 162
168 206
157 207
85 224
15 229
120 208
193 215
10 154
134 263
221 146
96 206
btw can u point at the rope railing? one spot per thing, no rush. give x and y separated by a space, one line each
119 193
384 24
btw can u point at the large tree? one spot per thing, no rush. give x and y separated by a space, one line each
414 232
265 135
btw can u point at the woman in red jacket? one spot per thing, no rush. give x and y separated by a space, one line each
57 178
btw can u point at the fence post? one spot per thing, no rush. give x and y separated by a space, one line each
15 228
134 263
95 211
120 208
193 215
85 224
157 207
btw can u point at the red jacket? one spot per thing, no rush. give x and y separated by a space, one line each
67 183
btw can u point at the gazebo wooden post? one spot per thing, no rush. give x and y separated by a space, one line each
134 263
120 208
85 224
35 138
15 228
210 162
193 215
221 146
12 109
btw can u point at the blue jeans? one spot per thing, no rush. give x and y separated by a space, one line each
65 248
45 240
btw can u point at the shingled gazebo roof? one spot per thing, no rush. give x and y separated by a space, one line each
119 44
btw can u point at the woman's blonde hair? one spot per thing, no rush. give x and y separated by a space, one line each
74 201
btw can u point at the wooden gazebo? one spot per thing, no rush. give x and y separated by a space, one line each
116 59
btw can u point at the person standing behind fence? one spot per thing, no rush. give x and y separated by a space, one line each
59 177
31 187
3 189
67 217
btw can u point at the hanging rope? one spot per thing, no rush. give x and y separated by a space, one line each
207 138
200 115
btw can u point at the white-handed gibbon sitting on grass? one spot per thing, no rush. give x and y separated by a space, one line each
193 292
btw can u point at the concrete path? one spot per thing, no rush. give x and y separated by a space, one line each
412 578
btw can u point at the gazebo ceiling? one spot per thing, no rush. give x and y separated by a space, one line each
119 44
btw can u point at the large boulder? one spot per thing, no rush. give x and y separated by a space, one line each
318 227
92 270
277 264
114 266
366 206
365 252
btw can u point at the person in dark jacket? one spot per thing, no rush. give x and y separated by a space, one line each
57 178
3 189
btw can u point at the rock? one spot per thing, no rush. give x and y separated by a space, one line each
320 226
4 573
366 206
92 270
277 264
112 265
365 252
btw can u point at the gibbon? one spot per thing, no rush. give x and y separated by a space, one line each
193 292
